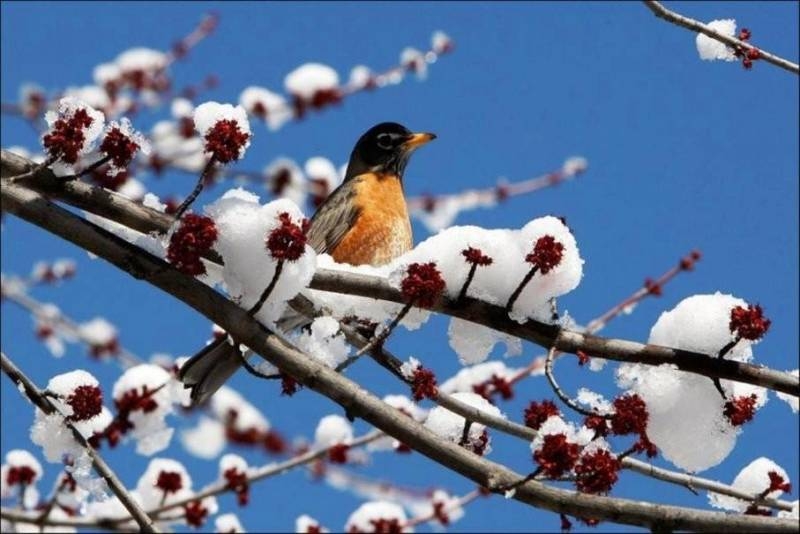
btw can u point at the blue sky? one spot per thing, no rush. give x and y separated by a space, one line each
682 154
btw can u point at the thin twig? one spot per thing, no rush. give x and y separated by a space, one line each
43 403
566 399
696 26
268 290
34 171
207 170
515 295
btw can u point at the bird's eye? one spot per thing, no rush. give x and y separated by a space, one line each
385 141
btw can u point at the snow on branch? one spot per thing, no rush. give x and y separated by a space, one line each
37 396
34 208
739 44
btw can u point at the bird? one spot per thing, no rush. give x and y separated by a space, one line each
364 221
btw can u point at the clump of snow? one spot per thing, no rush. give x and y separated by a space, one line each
181 108
140 59
150 430
556 425
753 480
711 49
496 282
440 41
414 60
408 407
333 430
243 225
286 179
450 426
360 76
209 114
232 461
17 459
308 79
306 523
263 103
324 342
228 523
321 171
227 403
67 107
682 405
448 505
474 342
468 377
154 496
98 331
362 520
791 400
171 144
205 440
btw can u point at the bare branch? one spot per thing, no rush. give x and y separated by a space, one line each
696 26
43 403
354 399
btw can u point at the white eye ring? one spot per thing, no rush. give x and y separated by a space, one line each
385 141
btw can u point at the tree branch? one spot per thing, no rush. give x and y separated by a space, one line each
124 211
32 207
43 403
696 26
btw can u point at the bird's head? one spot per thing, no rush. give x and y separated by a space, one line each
385 148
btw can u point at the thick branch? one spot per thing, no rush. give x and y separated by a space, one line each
43 403
122 210
34 208
696 26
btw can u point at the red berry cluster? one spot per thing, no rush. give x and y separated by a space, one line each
547 254
386 526
749 323
104 178
20 474
289 385
440 514
423 384
107 348
169 482
288 240
226 140
630 417
422 285
747 55
597 472
66 138
478 445
131 401
195 514
86 402
777 483
740 410
271 440
538 412
50 273
337 454
652 287
475 256
494 385
119 147
687 263
321 98
187 245
237 482
557 455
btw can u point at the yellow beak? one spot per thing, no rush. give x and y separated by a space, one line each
418 139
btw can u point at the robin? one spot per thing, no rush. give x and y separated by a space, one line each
363 222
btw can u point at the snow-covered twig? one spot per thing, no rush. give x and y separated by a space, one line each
146 220
34 208
696 26
30 390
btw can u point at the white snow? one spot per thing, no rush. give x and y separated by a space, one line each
309 78
150 430
791 400
711 49
278 111
361 519
226 401
440 41
243 225
333 430
228 523
474 342
360 76
324 342
474 375
683 406
295 189
303 522
753 479
205 440
450 426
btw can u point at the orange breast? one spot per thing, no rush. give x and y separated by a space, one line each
382 230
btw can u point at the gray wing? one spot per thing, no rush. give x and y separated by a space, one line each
334 218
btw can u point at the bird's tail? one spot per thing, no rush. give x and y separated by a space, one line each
209 369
